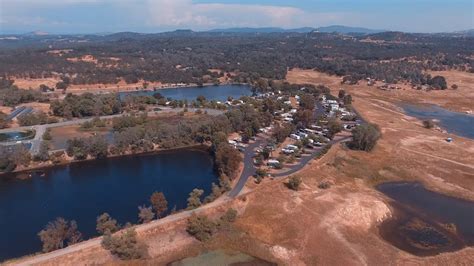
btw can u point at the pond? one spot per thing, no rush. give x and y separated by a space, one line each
82 191
426 222
456 123
222 257
218 93
16 136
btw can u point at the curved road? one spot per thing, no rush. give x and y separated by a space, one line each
250 169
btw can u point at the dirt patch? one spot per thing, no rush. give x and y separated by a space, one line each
457 100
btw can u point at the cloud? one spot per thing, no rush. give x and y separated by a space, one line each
185 13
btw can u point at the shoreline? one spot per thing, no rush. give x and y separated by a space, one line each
157 89
28 171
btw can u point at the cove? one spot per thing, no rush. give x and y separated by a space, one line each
425 222
456 123
217 93
82 191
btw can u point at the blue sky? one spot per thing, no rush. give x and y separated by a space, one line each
94 16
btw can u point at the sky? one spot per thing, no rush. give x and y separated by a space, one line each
100 16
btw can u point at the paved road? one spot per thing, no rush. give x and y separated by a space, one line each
249 167
307 158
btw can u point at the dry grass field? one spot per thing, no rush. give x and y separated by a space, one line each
338 225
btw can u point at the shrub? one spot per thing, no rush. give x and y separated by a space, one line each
324 185
47 135
106 225
125 245
428 124
145 214
260 173
230 216
201 227
294 182
365 137
194 200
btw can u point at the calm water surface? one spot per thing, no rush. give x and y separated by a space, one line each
457 123
218 93
428 222
82 191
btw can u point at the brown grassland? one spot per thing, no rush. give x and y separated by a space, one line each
337 226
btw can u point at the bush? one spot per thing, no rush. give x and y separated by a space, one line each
324 185
47 135
145 214
260 173
365 137
125 245
194 199
230 216
201 227
106 225
294 183
31 119
429 124
438 83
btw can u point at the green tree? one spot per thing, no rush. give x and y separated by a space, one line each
365 137
124 245
307 101
98 147
47 135
341 94
227 160
334 127
294 183
106 224
159 203
145 214
229 216
56 233
21 155
3 120
194 199
201 227
43 154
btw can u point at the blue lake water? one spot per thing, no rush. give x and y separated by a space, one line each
421 226
218 93
82 191
456 123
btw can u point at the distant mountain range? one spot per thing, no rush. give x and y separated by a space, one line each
181 32
328 29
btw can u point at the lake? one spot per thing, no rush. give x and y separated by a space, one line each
456 123
218 93
82 191
426 222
